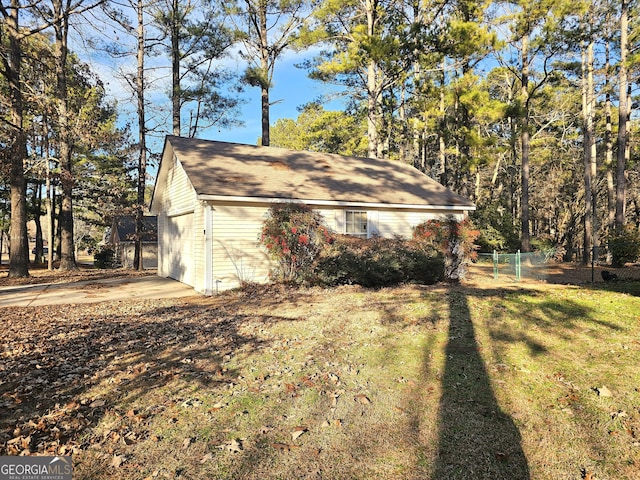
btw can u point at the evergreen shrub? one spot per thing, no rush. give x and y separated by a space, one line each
105 258
376 263
625 246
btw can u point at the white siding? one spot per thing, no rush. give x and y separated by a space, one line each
237 253
238 256
176 227
385 222
178 195
398 222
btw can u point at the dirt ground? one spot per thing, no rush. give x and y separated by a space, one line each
554 273
480 275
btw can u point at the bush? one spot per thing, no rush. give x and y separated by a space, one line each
625 246
293 235
105 258
376 263
453 240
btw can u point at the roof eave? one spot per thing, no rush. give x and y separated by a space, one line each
334 203
153 208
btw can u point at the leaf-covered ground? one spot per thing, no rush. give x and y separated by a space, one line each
521 382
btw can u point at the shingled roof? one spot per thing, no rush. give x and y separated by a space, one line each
123 229
220 169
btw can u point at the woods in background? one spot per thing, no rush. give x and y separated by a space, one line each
526 106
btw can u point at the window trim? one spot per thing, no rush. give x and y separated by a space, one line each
361 234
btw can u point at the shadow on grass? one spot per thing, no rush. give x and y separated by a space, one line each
65 368
630 287
476 438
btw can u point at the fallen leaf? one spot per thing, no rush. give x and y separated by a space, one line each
290 387
234 446
297 432
604 391
265 429
333 378
97 404
186 443
130 438
118 460
363 399
191 402
308 382
217 406
284 447
206 458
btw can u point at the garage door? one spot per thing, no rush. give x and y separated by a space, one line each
179 248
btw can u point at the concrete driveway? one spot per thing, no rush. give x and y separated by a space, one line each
94 291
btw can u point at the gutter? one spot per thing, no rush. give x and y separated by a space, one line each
333 203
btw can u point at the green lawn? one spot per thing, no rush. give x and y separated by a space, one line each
522 382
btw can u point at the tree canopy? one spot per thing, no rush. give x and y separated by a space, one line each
524 106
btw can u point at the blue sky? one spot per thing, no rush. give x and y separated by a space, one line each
291 89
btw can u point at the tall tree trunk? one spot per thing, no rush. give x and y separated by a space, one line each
591 100
374 99
402 117
373 114
138 260
50 200
18 244
266 80
623 115
61 28
525 236
442 153
37 209
265 77
587 134
176 93
608 141
513 150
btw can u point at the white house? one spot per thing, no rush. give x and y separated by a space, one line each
211 199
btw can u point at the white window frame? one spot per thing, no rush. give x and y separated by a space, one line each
356 227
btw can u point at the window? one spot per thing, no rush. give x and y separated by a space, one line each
356 223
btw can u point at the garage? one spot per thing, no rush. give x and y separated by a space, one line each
211 199
178 248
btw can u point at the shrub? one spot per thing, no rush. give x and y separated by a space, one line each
376 263
453 240
105 258
293 235
624 246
